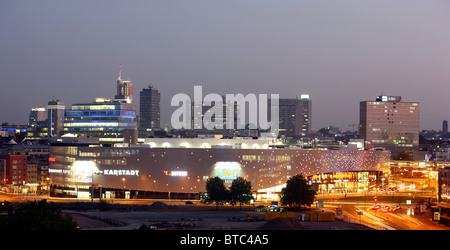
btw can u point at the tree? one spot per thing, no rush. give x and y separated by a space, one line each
35 216
297 192
241 191
217 192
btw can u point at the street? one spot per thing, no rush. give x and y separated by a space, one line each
378 219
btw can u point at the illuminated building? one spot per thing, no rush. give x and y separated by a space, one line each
104 119
295 117
124 89
13 171
444 184
388 122
37 115
27 166
149 109
37 123
415 176
200 110
55 117
144 170
305 120
12 129
348 182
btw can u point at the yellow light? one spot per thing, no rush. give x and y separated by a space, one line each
92 124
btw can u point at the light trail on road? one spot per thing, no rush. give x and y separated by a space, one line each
378 220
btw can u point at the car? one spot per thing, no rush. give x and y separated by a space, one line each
189 203
398 207
376 207
250 218
385 209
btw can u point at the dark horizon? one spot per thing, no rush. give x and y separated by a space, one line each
338 53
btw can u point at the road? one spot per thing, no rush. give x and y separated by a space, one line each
386 220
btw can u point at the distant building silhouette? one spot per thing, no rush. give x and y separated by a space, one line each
149 109
445 127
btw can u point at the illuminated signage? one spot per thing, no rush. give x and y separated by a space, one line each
228 174
122 152
178 173
60 171
228 170
175 173
118 172
83 171
51 159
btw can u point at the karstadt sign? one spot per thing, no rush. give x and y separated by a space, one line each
120 172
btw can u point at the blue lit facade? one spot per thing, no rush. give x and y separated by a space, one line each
106 120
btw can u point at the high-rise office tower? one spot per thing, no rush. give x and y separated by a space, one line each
124 89
201 113
289 112
305 121
37 123
37 115
55 117
295 117
149 109
444 127
390 123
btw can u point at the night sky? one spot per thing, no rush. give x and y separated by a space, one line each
338 52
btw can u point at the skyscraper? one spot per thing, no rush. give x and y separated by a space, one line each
124 89
55 117
37 115
149 109
388 122
305 121
37 123
295 117
200 110
445 127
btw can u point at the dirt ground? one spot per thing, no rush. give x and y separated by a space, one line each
184 217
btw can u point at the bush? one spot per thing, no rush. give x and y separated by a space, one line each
103 205
35 216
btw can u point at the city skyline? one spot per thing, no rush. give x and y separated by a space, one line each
337 53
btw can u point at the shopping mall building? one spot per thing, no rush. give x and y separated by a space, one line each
179 168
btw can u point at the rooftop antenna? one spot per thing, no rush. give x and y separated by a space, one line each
120 72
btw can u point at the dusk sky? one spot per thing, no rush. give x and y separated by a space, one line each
338 52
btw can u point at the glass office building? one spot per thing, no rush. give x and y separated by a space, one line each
104 119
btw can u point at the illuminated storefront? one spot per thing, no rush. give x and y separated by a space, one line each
348 182
139 170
